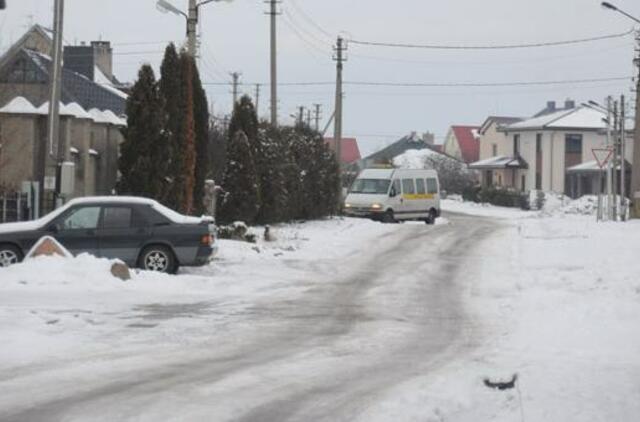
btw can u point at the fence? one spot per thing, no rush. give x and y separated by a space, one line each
14 207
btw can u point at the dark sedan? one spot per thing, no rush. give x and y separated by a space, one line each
138 231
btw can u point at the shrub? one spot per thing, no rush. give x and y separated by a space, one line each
504 198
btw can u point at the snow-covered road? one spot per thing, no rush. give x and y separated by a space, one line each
326 340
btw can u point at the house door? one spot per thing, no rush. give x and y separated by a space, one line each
488 178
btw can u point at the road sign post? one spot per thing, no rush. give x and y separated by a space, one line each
603 157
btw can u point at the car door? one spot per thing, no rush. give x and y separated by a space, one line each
122 233
76 229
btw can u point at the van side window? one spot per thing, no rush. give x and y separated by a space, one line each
395 188
432 185
420 186
408 188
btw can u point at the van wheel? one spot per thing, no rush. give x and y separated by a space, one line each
431 219
388 217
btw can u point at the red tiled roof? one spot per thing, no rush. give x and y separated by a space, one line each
350 150
468 142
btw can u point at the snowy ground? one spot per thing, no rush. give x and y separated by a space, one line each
557 296
552 296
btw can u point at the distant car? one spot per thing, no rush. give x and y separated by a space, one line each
139 231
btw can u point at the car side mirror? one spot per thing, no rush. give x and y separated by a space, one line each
392 193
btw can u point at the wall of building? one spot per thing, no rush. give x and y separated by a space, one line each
553 156
18 136
451 146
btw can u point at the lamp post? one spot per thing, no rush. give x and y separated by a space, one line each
635 168
192 19
610 6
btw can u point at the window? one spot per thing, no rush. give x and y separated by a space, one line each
420 187
82 218
516 145
538 142
116 218
494 150
372 186
523 183
432 185
408 187
573 144
395 189
538 180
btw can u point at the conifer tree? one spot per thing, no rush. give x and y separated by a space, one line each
240 182
172 93
202 139
142 159
189 135
244 118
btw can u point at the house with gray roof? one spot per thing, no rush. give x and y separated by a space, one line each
91 118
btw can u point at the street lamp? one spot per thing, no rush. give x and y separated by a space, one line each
635 169
610 6
192 18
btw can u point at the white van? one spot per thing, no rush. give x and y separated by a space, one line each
395 194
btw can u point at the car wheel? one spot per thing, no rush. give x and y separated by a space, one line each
431 219
9 255
158 258
388 217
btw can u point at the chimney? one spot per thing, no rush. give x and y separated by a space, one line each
83 59
103 57
551 106
569 104
428 138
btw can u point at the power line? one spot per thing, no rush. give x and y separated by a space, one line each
487 84
313 23
492 47
453 84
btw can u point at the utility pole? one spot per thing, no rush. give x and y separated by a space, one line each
616 160
337 126
316 115
53 132
257 105
273 12
609 172
236 79
635 169
300 115
623 164
309 117
192 29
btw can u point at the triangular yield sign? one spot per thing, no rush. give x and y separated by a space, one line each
602 155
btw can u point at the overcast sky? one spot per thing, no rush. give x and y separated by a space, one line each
235 37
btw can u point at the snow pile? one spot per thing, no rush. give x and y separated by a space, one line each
414 158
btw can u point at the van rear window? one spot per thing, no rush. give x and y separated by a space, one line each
370 186
432 185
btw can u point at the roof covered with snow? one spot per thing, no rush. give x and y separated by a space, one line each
19 105
581 118
499 162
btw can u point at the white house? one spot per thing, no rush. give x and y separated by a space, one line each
551 152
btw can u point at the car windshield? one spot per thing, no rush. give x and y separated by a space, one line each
371 186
